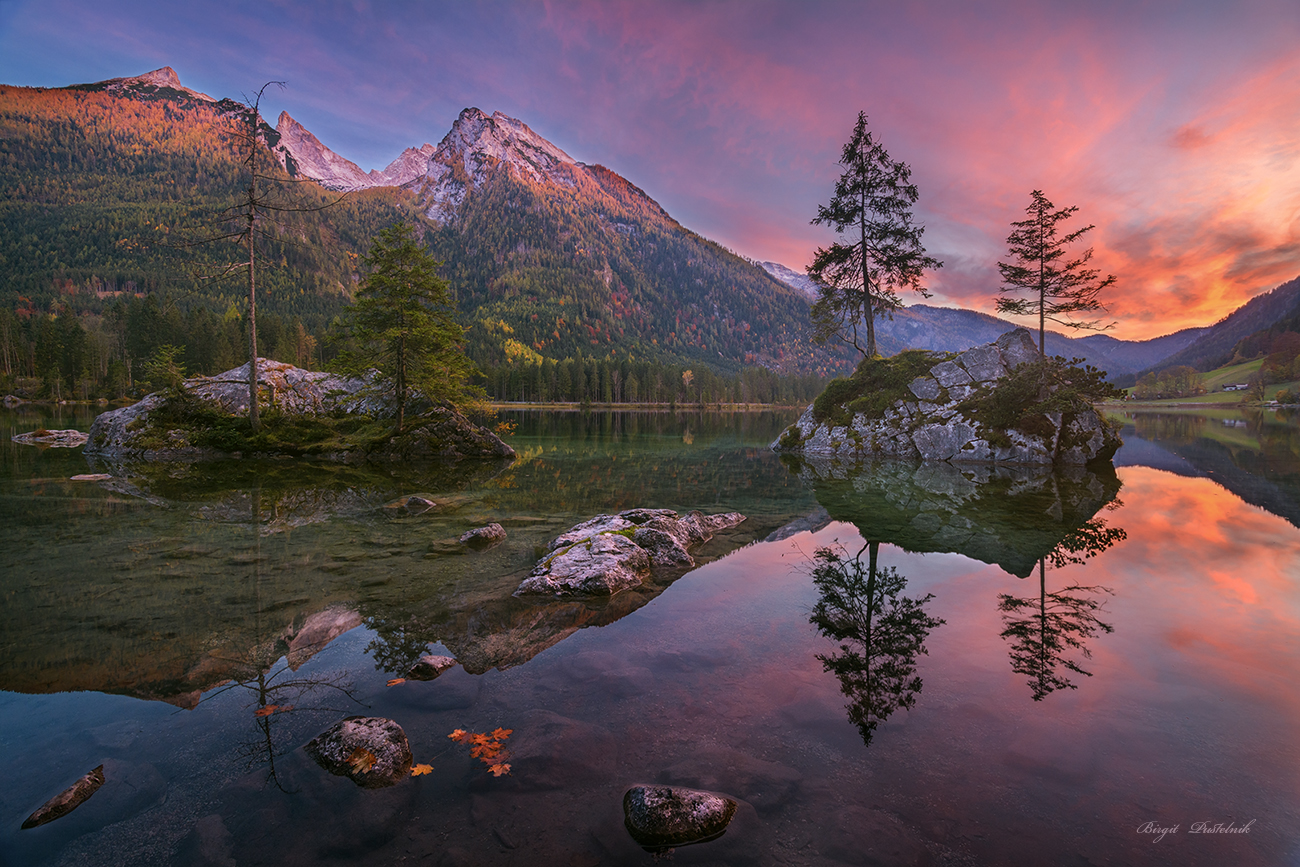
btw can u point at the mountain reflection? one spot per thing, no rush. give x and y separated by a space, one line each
1045 630
1253 454
1011 517
880 633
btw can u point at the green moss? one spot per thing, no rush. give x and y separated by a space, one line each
792 437
1023 400
206 426
874 387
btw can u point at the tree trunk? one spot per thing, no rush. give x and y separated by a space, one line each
866 278
254 417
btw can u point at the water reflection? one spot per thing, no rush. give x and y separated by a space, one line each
880 633
1008 516
181 569
1252 453
1045 629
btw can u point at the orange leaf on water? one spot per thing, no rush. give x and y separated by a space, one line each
499 770
457 735
395 681
502 734
265 711
361 760
420 770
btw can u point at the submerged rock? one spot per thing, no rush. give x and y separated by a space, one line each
59 439
936 426
658 817
371 751
429 667
484 537
68 800
413 504
610 553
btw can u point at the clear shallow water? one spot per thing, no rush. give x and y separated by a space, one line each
147 619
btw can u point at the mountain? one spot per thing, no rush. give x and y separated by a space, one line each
789 277
1215 347
104 188
552 257
302 154
954 329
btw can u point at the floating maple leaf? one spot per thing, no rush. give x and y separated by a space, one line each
265 711
420 770
395 681
361 760
486 747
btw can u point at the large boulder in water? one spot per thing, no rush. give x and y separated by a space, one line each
610 553
941 414
659 817
371 751
430 431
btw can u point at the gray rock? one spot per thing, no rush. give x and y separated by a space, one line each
942 442
609 553
484 537
983 363
371 751
429 667
933 430
924 387
1017 348
414 504
949 373
600 565
59 439
432 432
659 817
68 800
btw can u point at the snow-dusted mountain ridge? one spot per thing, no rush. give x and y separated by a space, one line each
475 145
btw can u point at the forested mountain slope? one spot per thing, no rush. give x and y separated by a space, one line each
104 189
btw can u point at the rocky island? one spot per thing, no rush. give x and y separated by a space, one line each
994 404
305 413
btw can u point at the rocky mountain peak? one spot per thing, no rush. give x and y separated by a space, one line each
164 77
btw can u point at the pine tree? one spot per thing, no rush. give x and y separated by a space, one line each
881 253
401 325
1058 286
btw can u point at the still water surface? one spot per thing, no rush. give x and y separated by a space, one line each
1018 668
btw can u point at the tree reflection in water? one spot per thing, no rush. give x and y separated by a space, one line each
880 633
1045 629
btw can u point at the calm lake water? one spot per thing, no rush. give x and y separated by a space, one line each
1003 668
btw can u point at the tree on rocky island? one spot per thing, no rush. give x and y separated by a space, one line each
401 325
1057 286
881 251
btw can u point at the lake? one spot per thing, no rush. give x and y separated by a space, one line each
981 667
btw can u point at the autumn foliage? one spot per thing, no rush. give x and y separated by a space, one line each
489 748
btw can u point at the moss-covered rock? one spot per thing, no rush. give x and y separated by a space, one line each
304 413
999 404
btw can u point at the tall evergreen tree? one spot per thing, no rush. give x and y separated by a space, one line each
401 324
881 251
1057 286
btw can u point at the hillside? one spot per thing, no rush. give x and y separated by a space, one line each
1215 347
954 329
103 186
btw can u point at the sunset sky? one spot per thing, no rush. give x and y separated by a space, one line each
1174 126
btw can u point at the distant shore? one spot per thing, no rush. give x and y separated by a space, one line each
645 407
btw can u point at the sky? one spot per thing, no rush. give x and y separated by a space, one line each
1174 127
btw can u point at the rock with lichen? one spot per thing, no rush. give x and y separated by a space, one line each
970 407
